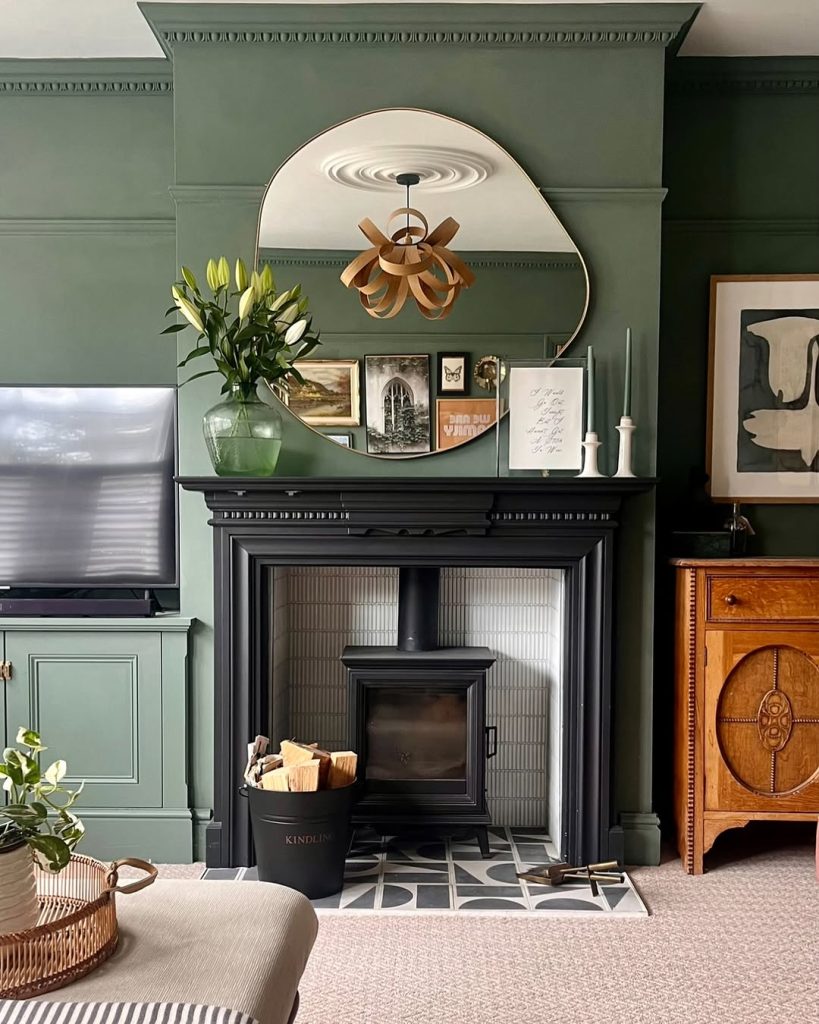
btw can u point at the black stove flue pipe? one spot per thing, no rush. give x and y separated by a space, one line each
418 589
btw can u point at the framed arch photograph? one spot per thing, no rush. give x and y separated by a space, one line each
397 397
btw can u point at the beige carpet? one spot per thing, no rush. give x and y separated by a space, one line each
738 945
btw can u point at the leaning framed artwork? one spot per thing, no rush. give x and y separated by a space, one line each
763 411
461 419
329 396
397 390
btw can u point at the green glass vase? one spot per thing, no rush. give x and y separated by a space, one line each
243 435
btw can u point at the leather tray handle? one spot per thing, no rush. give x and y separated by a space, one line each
140 883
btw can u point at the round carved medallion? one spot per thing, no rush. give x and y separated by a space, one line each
768 721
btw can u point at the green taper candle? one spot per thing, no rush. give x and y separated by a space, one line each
590 397
627 393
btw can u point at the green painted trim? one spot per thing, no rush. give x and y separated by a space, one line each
407 24
748 225
87 226
478 259
159 834
218 193
641 838
147 76
605 195
786 76
155 624
201 818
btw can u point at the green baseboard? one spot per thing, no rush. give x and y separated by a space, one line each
201 817
641 838
162 835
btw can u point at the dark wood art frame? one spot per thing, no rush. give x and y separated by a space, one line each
566 524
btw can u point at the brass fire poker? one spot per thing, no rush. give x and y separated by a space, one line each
607 873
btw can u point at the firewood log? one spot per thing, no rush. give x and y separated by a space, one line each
295 753
278 780
342 769
304 778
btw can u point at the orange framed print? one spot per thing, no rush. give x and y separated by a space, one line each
763 406
461 419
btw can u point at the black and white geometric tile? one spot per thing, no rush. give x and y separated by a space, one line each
397 875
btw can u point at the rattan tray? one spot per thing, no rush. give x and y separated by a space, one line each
77 929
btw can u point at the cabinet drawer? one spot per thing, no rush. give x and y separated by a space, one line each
743 599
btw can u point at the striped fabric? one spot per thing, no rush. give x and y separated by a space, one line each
14 1011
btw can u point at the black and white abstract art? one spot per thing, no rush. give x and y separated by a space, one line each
764 412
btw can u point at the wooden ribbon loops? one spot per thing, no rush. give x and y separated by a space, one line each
409 261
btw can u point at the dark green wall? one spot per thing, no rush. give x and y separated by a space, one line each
574 92
741 158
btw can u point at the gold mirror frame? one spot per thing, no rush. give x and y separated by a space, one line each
532 185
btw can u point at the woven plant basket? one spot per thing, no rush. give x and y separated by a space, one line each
77 929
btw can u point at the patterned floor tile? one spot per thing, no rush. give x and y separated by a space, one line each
411 873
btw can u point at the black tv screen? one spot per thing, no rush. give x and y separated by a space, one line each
87 492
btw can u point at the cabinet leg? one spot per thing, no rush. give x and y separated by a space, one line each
483 840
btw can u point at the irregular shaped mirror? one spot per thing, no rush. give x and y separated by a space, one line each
427 254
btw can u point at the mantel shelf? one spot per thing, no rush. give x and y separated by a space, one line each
441 485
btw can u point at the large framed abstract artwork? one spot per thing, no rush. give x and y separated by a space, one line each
763 407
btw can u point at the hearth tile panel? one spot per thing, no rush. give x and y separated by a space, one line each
390 874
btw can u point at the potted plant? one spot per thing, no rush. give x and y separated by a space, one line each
36 822
251 333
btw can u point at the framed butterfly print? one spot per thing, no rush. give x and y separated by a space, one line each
763 388
453 373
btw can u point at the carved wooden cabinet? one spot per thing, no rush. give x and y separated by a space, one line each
746 697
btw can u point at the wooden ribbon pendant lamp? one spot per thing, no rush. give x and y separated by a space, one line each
409 261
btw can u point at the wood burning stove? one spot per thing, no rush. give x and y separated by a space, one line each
417 719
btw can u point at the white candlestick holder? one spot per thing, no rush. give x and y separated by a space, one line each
624 458
590 447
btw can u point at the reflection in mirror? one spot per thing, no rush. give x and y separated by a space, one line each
417 285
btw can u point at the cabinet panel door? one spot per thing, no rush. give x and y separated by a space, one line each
96 699
762 720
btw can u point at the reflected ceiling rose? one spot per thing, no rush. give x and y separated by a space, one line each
409 261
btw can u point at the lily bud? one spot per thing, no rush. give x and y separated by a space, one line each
212 274
224 271
290 314
241 276
294 332
267 279
190 280
256 285
280 301
188 310
246 302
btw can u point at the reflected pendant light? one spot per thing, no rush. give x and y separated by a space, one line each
410 261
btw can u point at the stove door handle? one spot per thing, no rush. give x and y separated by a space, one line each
491 734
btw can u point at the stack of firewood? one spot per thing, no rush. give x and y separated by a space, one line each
298 767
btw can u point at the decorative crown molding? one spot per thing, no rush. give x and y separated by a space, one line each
478 260
763 76
61 77
404 24
87 226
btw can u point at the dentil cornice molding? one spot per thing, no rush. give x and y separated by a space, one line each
762 76
407 24
148 76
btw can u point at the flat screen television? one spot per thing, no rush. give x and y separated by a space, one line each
87 492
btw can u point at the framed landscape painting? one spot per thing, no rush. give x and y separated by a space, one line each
330 394
397 389
763 409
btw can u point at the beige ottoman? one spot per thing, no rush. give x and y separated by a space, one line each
240 945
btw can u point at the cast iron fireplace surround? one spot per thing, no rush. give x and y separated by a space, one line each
560 523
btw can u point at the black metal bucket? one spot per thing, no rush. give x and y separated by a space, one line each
302 839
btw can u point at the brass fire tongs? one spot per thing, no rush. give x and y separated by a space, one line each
607 873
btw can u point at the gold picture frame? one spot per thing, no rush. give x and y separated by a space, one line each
331 396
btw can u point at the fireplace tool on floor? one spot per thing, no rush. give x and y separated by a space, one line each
606 873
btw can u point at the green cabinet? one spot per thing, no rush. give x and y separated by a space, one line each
109 697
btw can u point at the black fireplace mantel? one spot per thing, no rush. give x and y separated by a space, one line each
551 523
